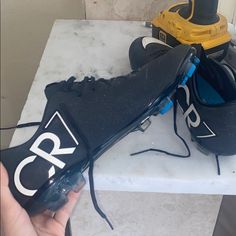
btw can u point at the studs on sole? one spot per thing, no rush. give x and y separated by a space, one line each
165 105
190 71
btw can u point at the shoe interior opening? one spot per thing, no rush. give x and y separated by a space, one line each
207 93
215 84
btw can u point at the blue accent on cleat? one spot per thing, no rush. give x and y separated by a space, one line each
191 71
166 107
185 80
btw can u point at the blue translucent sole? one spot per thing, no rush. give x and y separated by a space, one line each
55 194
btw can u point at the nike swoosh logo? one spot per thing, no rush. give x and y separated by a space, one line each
148 40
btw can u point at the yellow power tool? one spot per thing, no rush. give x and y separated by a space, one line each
195 22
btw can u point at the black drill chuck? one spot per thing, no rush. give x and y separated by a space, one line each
201 12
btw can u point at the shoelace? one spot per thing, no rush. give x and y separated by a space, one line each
23 125
93 194
79 87
176 133
181 138
88 83
218 164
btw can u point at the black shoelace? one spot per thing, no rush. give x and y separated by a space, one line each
93 194
218 164
181 138
176 133
89 81
23 125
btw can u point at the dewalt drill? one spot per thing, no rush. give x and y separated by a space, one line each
195 22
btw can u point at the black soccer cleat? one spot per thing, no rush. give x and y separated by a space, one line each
145 49
81 121
208 100
209 105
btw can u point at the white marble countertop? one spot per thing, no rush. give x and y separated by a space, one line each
100 48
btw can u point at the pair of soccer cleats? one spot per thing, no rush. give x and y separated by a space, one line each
208 100
82 120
